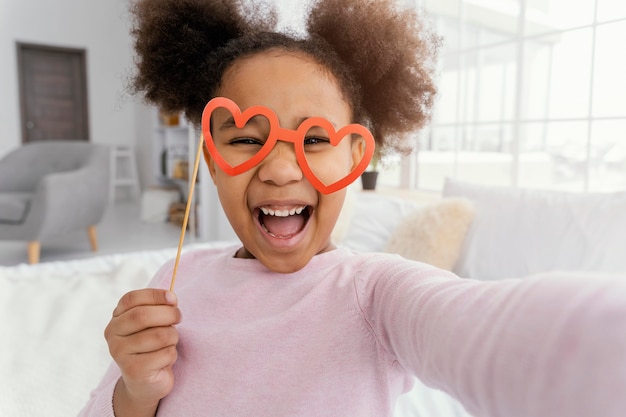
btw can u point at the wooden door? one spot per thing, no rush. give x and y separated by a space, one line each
53 93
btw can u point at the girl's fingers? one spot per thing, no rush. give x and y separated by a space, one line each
152 340
144 297
147 369
135 349
143 365
143 317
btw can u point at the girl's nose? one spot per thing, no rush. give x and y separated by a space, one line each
281 166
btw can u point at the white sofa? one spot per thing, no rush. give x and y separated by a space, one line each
54 313
492 233
519 232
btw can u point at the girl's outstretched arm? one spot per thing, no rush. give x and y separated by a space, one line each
544 346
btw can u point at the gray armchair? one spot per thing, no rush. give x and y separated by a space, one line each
50 188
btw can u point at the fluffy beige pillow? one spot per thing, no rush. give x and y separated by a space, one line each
434 233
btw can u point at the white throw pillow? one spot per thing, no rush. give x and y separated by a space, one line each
374 217
434 233
517 232
343 221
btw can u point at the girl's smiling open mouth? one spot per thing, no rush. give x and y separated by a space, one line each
283 221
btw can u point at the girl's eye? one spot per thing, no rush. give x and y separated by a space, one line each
246 141
316 140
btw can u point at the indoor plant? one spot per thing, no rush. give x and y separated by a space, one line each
369 177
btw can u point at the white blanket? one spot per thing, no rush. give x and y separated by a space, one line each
53 350
53 318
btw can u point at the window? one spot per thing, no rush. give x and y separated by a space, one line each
532 93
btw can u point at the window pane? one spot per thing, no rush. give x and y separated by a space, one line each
495 84
486 138
508 7
485 154
441 139
497 18
570 75
435 160
557 73
537 73
558 150
488 168
609 88
545 16
536 162
483 91
447 100
447 8
482 33
390 172
448 29
607 165
611 9
433 168
470 75
481 22
534 137
536 170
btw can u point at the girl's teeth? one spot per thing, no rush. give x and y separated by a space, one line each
281 213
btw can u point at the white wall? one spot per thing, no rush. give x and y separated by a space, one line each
101 27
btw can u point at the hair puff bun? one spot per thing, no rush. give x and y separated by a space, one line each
174 41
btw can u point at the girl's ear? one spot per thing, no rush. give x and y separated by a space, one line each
358 151
209 161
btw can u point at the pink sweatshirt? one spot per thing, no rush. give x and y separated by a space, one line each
345 335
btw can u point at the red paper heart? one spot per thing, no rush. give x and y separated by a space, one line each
287 135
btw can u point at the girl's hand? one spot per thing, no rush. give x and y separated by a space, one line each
142 340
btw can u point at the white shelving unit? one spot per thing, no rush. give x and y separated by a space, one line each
123 172
175 147
171 151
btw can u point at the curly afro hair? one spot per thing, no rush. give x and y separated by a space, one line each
383 58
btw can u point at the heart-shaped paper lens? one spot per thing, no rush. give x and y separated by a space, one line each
333 160
238 141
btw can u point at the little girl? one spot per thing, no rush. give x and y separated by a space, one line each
286 323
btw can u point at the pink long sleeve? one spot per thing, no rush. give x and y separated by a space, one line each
346 334
552 345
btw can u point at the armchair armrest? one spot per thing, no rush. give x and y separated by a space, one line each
5 178
69 200
16 175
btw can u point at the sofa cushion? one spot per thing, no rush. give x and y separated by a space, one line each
343 222
517 232
14 206
433 233
373 217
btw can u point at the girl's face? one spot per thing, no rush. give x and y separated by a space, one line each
281 219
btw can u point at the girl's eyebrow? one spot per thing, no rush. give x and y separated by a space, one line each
230 122
302 119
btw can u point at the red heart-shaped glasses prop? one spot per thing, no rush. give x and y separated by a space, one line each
296 137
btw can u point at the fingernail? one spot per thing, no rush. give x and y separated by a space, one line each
171 297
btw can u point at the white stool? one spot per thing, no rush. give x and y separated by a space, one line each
123 171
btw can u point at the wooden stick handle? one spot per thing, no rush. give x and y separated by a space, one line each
187 209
